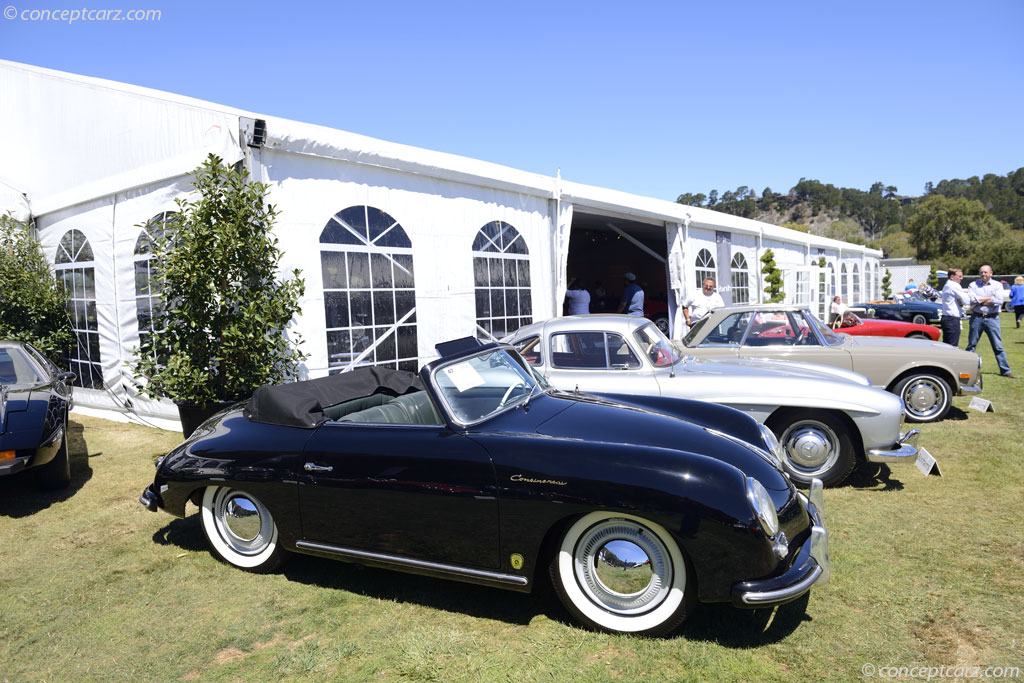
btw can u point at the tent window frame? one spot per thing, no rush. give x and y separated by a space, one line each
366 262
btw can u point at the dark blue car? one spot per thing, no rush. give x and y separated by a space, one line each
35 397
912 308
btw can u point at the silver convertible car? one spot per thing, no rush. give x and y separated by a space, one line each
925 374
824 417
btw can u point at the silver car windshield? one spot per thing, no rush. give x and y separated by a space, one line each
658 348
479 387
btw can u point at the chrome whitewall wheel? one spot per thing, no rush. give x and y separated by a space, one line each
240 529
623 574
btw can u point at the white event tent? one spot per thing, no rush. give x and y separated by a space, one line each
400 247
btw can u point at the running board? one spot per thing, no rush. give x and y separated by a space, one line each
408 564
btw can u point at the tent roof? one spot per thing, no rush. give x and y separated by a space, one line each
121 136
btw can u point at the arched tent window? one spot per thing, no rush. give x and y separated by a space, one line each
844 282
740 279
856 284
705 267
76 273
877 294
369 291
501 276
148 301
832 282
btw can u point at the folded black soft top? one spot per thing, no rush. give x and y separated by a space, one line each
301 404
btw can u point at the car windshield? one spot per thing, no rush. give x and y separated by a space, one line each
658 348
694 333
828 336
850 320
16 368
476 388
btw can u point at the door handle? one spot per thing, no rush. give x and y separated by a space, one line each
313 467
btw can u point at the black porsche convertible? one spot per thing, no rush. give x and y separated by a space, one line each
476 470
35 397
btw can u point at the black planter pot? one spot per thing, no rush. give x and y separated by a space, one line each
193 415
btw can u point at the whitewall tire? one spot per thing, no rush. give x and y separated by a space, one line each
240 529
622 574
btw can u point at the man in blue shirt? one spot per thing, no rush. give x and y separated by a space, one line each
986 302
632 302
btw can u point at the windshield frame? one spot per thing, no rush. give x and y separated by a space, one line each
533 382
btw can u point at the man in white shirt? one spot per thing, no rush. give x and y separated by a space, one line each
986 302
954 298
700 304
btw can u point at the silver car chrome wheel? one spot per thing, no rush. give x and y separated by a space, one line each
815 444
810 446
927 397
919 319
622 574
240 529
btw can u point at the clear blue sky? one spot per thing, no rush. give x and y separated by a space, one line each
654 98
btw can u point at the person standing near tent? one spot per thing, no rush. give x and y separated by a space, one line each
838 308
702 303
576 298
954 298
986 302
1017 298
910 286
632 302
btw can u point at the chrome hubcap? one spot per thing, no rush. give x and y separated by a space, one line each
242 518
923 396
811 447
623 567
242 522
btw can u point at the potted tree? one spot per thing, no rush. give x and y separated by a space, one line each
222 330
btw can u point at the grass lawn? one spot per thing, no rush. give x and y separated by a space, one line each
927 572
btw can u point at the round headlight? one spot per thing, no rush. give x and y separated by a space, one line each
762 505
772 444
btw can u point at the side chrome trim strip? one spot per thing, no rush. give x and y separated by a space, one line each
510 579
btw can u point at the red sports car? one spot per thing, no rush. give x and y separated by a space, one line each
855 325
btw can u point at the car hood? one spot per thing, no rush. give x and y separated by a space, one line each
901 345
610 423
769 369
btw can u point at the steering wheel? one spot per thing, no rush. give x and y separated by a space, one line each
805 335
508 392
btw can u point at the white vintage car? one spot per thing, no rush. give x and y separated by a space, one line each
824 417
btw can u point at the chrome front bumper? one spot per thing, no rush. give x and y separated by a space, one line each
904 450
812 566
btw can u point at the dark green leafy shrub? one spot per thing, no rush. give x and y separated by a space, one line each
222 330
772 278
32 306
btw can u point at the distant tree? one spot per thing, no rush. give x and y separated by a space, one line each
691 199
929 187
887 284
955 227
772 278
894 245
712 198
